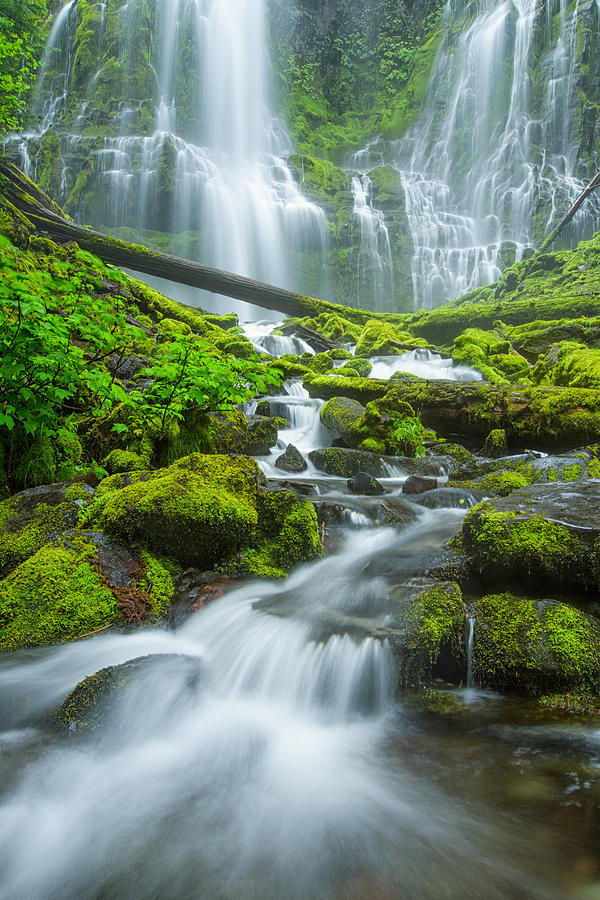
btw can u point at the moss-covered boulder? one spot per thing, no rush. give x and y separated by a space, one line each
36 517
534 646
427 633
379 338
209 510
346 463
491 354
55 595
112 693
340 415
541 537
199 510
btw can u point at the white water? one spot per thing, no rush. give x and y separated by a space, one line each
487 150
230 183
269 778
424 363
375 272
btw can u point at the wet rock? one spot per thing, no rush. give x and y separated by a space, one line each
195 589
346 463
418 484
291 460
534 646
261 435
36 517
544 536
155 683
496 444
340 415
127 367
363 483
263 408
449 498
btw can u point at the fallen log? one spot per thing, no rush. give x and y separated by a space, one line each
48 218
594 183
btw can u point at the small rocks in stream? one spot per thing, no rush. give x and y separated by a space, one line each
418 484
291 460
363 483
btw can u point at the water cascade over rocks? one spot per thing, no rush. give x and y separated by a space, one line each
259 749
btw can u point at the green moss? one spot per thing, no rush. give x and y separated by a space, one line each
55 595
533 646
502 483
379 338
169 327
159 582
431 622
124 461
198 510
23 535
496 444
359 366
502 546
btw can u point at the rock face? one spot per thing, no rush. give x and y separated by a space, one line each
291 460
542 537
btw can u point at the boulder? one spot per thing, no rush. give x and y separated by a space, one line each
449 498
36 517
346 463
291 460
340 415
418 484
153 688
534 646
541 537
362 483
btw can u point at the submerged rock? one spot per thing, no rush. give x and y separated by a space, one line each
151 684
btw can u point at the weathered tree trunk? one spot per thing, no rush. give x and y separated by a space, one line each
48 218
594 183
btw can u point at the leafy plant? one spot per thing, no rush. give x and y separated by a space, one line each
186 375
409 433
20 48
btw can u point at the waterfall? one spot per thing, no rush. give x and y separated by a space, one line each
492 162
374 257
206 163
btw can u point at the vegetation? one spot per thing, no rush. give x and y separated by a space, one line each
20 52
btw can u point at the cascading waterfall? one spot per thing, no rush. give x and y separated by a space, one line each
491 164
374 258
212 170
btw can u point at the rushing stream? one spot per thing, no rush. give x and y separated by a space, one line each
264 752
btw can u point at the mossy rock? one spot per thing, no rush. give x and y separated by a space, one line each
495 444
426 634
491 354
287 534
539 538
346 463
36 517
55 595
383 339
199 510
534 646
124 461
340 415
102 699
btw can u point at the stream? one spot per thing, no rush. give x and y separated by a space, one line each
287 766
